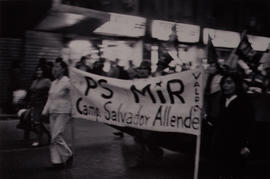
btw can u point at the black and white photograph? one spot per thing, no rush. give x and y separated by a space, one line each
128 89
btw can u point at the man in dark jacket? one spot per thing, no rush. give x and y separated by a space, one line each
233 131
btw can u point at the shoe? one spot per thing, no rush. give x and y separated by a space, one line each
119 134
35 144
69 162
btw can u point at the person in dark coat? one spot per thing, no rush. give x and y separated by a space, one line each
233 131
212 95
38 96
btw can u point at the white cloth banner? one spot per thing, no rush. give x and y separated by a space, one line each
170 103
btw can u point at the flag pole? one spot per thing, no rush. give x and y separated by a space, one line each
232 59
198 137
197 156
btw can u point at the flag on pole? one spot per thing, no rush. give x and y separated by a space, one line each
244 48
211 51
242 51
232 60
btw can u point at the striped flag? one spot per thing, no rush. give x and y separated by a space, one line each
244 48
242 51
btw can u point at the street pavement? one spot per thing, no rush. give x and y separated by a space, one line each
97 154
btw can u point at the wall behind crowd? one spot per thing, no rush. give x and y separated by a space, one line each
10 67
39 45
19 57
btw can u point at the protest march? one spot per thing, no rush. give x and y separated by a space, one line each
169 103
135 89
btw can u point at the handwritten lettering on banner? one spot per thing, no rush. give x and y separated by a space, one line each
170 103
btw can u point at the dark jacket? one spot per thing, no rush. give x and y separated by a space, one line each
233 131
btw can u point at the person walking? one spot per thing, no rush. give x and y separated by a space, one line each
38 97
58 107
233 131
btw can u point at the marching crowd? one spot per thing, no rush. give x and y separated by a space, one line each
227 107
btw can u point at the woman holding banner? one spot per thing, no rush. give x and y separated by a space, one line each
58 107
232 135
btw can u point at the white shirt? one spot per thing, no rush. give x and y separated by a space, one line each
59 100
230 99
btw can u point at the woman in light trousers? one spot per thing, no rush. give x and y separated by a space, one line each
58 107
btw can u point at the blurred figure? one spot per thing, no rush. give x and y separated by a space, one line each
47 66
98 67
163 61
130 64
267 79
146 140
18 97
233 132
186 66
131 70
38 97
254 82
115 69
82 65
214 76
212 91
144 70
212 97
123 74
58 107
23 112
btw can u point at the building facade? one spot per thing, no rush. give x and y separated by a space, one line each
22 49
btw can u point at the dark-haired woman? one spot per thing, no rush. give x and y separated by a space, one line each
58 107
233 131
38 97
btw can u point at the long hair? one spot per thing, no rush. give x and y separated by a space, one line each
45 71
237 79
